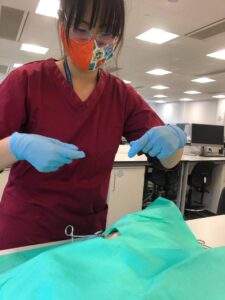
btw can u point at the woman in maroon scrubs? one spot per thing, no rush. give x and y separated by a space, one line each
61 123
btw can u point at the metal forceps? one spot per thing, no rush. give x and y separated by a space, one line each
69 231
203 244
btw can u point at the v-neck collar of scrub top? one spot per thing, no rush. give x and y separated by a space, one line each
71 95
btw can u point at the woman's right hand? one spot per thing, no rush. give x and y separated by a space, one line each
43 153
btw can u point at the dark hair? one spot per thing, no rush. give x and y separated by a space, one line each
110 13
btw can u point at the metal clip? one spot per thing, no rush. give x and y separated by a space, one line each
69 231
203 244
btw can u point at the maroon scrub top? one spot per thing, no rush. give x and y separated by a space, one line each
36 98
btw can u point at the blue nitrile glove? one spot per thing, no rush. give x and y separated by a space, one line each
45 154
161 141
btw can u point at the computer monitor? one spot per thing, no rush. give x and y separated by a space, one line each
186 127
203 134
181 125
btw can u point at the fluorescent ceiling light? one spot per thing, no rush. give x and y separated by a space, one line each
160 101
17 66
48 8
127 81
158 72
192 92
34 49
203 80
157 36
219 96
219 54
160 96
185 99
159 87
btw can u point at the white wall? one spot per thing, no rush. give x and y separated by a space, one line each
170 112
154 107
221 112
205 112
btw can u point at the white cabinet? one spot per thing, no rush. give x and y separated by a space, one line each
125 192
3 180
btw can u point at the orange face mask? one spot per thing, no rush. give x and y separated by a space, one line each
88 56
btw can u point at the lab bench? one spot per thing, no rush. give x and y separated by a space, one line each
128 177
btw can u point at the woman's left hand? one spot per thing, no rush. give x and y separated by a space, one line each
161 141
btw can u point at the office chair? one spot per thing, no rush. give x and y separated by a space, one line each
221 206
165 182
199 179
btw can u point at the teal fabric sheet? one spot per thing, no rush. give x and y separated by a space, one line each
155 257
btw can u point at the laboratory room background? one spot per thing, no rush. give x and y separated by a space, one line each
112 159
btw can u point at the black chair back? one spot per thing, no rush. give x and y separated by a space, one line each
201 174
165 182
165 177
221 206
